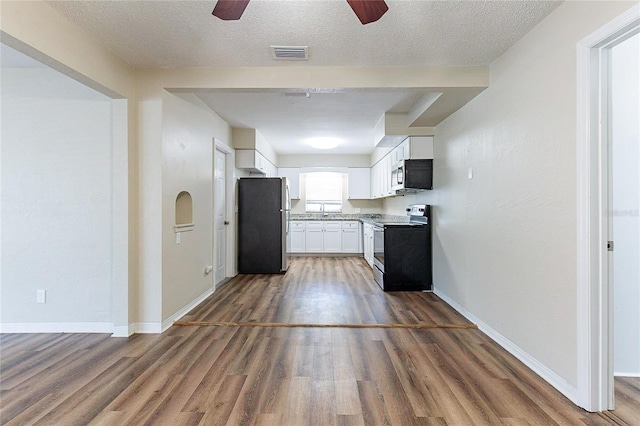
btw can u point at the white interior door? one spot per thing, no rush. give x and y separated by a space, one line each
624 218
219 208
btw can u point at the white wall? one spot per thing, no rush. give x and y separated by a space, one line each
34 28
505 241
626 205
324 160
56 203
348 206
188 132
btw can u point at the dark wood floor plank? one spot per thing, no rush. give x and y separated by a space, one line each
404 354
92 398
29 363
192 378
220 411
374 410
290 376
298 407
344 377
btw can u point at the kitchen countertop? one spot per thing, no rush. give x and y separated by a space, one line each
374 219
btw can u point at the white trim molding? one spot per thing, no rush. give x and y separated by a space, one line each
57 327
146 328
166 324
539 368
122 331
622 374
594 363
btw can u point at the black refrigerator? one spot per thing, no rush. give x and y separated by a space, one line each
263 224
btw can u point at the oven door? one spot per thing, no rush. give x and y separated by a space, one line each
378 248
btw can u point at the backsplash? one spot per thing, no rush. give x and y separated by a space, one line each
347 216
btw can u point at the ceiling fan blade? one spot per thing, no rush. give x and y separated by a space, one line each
368 11
230 10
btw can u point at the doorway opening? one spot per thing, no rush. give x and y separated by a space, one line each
594 167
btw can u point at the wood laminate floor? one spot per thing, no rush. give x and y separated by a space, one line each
321 290
211 375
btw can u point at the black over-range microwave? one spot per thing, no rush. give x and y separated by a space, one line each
412 175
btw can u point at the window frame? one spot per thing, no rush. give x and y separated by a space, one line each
324 206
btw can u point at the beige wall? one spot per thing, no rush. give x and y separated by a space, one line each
188 131
505 241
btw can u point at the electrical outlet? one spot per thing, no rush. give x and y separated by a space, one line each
357 210
41 296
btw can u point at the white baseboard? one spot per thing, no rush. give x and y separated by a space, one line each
57 327
122 331
182 312
104 327
540 369
636 374
146 327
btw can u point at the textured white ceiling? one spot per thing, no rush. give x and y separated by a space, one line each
411 33
165 33
288 123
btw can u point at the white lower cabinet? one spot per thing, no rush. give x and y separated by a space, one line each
367 237
332 237
320 236
297 240
314 237
350 237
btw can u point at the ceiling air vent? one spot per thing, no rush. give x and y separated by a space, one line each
290 53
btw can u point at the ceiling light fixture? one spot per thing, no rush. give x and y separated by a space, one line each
324 143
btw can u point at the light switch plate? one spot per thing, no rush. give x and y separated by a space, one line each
41 296
177 237
470 173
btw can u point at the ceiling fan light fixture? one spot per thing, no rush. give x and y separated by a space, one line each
368 11
290 53
229 10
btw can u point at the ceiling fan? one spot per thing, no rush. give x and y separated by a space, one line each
367 11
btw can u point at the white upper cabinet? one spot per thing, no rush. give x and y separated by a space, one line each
359 183
413 148
272 171
376 180
293 174
417 148
388 168
252 160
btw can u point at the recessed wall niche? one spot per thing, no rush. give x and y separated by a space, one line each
184 211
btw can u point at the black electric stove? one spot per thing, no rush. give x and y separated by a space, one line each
402 252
